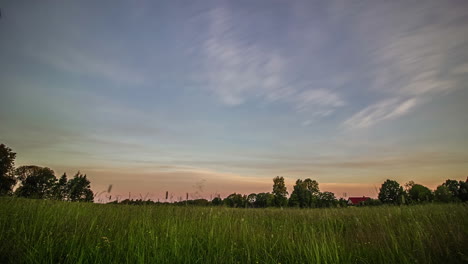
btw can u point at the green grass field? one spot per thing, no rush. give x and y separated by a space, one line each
37 231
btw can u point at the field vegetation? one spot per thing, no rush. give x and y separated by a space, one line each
47 231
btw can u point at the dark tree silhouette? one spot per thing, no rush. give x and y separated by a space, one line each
327 199
36 182
453 186
235 200
280 192
463 191
80 189
60 190
217 201
7 170
305 193
420 193
264 200
391 192
443 194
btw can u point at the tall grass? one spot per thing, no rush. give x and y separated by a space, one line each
35 231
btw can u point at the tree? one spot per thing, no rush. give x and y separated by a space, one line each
217 201
7 170
312 186
372 202
443 194
453 186
327 199
235 200
79 189
305 193
463 190
297 195
420 193
264 200
294 198
36 182
60 190
280 192
391 192
342 202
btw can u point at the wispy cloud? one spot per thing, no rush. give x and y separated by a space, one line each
318 97
380 111
238 71
411 58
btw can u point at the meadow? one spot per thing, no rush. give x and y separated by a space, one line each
44 231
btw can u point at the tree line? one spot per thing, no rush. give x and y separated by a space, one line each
306 194
40 182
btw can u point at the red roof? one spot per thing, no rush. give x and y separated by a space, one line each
357 200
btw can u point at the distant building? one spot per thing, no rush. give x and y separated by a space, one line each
357 200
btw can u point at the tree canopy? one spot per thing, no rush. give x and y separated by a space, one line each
79 189
305 193
280 192
391 192
36 182
7 170
420 193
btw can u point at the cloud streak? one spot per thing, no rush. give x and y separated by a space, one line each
380 111
411 58
238 71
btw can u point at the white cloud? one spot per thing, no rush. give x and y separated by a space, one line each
318 98
237 71
410 56
383 110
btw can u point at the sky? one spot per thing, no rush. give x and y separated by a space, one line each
215 97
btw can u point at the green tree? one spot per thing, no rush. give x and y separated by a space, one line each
264 200
7 170
453 186
327 199
235 200
420 193
463 190
312 186
342 202
297 195
60 190
443 194
391 192
280 192
79 189
294 199
217 201
36 182
372 202
305 193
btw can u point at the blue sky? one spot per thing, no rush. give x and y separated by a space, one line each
220 96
